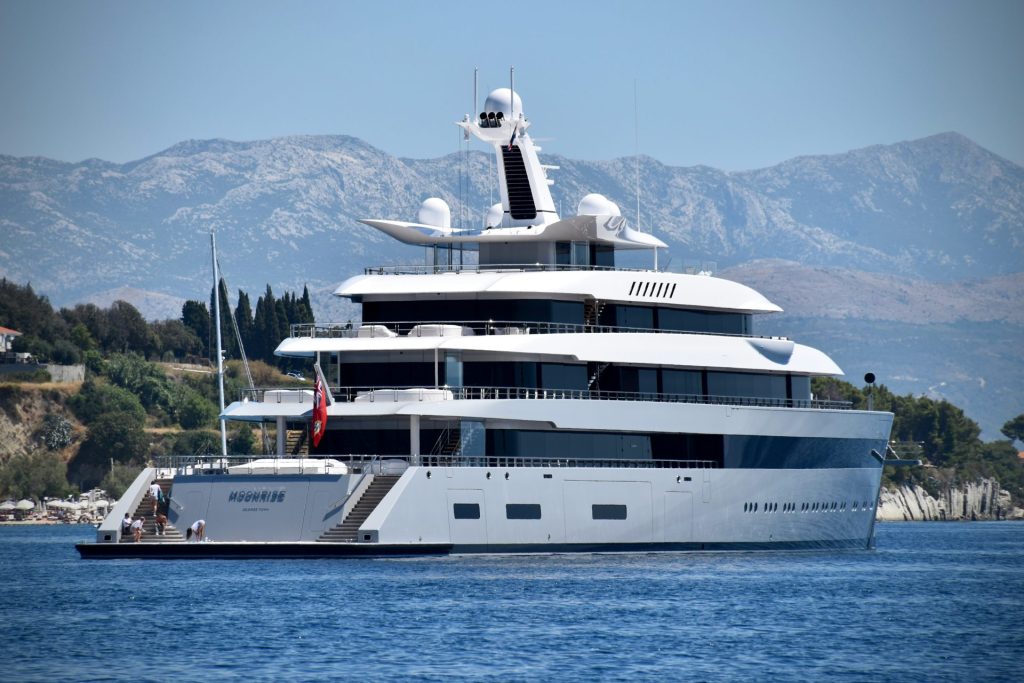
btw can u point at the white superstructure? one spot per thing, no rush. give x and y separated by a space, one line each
542 399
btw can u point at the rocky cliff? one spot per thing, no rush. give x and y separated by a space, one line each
982 499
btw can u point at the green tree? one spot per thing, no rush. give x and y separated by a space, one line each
243 318
192 409
34 475
65 353
1014 429
82 338
32 315
176 338
227 333
240 440
119 478
144 379
197 442
93 319
128 330
97 399
113 437
196 317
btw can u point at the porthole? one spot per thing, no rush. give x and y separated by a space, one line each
488 475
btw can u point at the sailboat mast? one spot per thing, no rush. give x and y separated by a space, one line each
220 355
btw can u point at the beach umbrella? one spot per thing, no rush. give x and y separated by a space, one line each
24 505
58 504
7 505
101 503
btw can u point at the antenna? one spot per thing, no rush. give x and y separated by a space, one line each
636 151
473 112
636 159
220 356
512 88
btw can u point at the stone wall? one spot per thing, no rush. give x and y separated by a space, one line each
66 373
982 499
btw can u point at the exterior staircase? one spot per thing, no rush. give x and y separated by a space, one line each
592 312
145 508
297 442
348 530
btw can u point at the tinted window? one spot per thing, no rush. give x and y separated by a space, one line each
703 321
522 511
747 385
685 382
801 388
466 511
608 511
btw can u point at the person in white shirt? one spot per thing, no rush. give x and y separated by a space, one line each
126 525
197 530
137 529
156 493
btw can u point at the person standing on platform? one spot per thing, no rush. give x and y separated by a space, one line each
157 494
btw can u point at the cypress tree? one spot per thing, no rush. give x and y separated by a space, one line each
243 318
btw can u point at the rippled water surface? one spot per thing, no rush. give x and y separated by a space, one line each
934 602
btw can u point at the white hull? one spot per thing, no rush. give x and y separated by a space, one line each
663 508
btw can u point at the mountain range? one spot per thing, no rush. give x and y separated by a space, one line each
880 244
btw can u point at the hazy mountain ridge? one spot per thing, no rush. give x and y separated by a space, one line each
921 232
940 207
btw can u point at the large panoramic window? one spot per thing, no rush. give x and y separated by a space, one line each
746 385
471 310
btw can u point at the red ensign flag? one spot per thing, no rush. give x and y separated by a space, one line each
319 411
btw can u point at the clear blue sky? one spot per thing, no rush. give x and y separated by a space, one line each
734 85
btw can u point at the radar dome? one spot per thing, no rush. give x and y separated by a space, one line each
500 99
434 211
597 205
494 216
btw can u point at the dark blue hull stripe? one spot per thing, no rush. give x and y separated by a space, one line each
225 550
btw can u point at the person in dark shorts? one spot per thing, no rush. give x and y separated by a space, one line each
161 523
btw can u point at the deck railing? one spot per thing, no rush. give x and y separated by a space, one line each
371 394
687 267
363 464
468 328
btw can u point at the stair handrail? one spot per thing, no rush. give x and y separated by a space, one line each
366 470
443 439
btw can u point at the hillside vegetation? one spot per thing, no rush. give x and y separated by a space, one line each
134 404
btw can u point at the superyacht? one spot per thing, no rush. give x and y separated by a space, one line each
534 398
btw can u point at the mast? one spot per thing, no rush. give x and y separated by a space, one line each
220 355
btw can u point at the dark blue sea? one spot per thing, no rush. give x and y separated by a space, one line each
934 602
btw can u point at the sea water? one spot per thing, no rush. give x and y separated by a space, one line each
933 602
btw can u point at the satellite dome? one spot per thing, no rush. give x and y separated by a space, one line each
494 216
499 100
434 211
597 205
